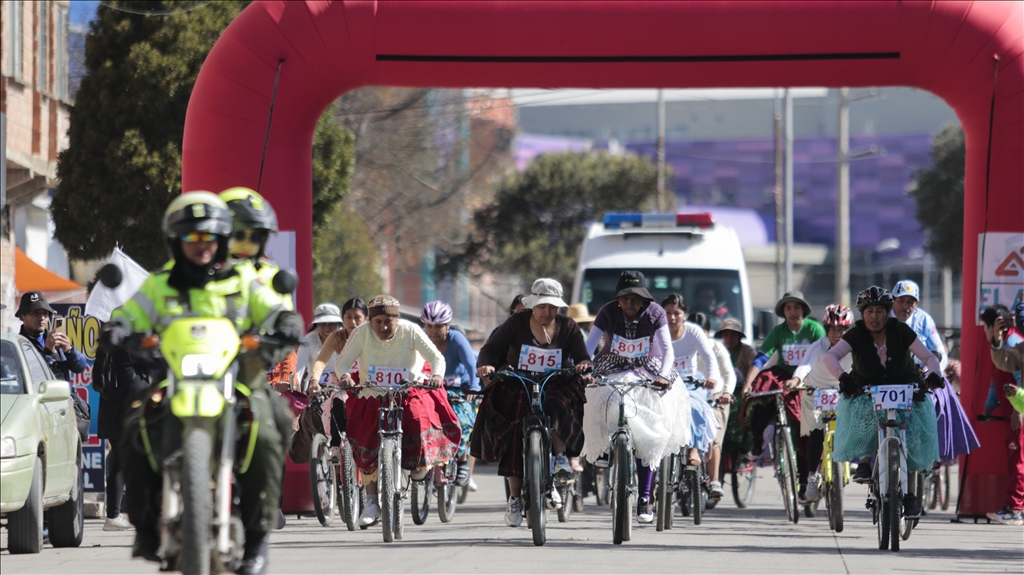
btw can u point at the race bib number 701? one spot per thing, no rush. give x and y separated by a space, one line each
539 360
892 396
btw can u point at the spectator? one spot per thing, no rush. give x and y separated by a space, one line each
1008 355
62 357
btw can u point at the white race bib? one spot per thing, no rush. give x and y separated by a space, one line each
631 348
539 360
453 381
892 396
380 375
826 399
794 353
684 367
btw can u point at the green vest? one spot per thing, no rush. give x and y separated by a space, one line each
241 296
899 364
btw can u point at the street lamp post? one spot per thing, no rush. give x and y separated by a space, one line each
842 254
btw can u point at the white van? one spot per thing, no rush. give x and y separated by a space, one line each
677 253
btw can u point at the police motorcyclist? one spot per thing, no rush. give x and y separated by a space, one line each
200 281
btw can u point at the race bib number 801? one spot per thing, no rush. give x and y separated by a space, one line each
380 375
539 360
631 348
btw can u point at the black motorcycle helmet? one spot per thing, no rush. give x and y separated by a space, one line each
250 210
201 212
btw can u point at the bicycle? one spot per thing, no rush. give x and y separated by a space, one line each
537 457
784 461
695 487
890 478
622 468
736 464
334 480
441 482
934 487
835 475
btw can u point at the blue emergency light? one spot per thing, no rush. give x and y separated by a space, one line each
626 221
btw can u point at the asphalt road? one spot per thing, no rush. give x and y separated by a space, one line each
753 540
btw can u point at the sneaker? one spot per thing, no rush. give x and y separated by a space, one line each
119 523
577 467
643 511
1007 516
716 490
562 466
147 541
472 485
602 461
554 499
863 475
462 475
419 474
813 492
371 513
514 512
911 506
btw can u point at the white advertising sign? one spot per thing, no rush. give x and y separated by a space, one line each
1000 269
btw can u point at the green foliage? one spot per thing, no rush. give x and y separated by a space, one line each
333 156
347 257
939 195
537 221
123 164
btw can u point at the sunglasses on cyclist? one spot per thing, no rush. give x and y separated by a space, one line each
199 237
255 236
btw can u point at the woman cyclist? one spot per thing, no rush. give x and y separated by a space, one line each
882 348
538 329
326 321
354 313
721 392
397 347
837 320
460 380
639 347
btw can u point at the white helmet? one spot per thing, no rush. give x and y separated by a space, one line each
906 287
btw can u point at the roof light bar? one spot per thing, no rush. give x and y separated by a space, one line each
626 221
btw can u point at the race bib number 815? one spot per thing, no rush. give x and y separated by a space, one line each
538 360
380 375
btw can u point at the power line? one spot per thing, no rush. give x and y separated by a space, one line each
122 8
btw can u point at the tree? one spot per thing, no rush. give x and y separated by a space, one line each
123 163
348 259
938 192
537 221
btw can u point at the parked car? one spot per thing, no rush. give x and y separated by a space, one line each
41 457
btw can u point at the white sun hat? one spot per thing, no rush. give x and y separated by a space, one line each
326 313
545 290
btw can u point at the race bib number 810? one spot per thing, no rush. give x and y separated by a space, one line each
538 360
380 375
892 396
631 348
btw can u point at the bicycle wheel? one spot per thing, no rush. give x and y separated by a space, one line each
603 486
693 488
535 453
421 499
895 501
664 493
447 494
464 494
835 497
785 470
924 479
744 480
349 488
622 513
322 479
567 492
811 509
943 489
390 496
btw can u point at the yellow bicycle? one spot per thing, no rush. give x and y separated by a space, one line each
835 474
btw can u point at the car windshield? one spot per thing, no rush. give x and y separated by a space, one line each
11 379
715 293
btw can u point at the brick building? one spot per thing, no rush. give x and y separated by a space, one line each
34 104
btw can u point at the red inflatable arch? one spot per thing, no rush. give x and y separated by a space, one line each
951 49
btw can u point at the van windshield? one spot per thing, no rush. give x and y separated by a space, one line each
715 293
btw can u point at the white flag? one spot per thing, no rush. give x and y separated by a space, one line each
104 300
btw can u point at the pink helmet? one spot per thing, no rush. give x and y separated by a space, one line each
837 315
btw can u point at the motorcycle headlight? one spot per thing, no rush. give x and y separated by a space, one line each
8 448
198 365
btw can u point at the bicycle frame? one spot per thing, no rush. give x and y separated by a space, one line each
623 389
889 432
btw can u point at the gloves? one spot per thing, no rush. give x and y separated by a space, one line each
935 381
849 386
114 334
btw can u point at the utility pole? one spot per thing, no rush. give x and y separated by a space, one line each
780 285
788 189
662 204
842 253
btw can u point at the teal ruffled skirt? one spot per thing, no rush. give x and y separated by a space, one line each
466 414
857 431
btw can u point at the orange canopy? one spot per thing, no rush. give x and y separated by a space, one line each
29 276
